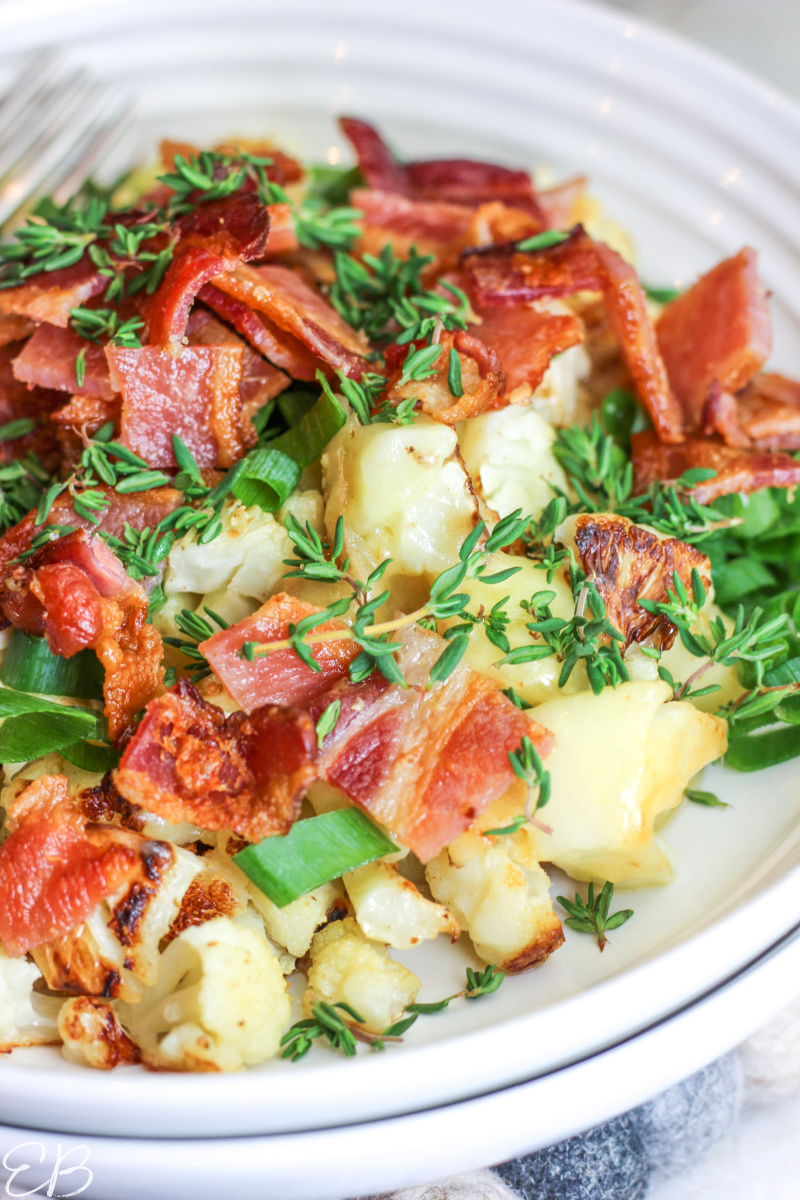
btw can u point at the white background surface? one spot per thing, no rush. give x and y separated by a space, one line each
762 1161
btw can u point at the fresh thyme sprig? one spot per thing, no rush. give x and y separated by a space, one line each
22 484
479 983
591 915
707 799
50 243
527 766
95 324
444 602
196 629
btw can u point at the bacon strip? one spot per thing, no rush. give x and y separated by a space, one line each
48 360
526 340
295 307
51 295
505 276
424 762
376 162
765 415
482 380
738 470
260 381
719 329
196 396
15 329
274 343
189 761
214 238
19 402
55 868
280 677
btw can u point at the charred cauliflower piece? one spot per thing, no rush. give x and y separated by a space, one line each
26 1019
499 893
347 967
628 563
621 759
294 925
391 909
220 1002
92 1035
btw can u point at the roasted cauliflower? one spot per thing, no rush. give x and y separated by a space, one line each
391 909
26 1018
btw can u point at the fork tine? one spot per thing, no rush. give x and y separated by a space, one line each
45 111
100 139
39 73
77 114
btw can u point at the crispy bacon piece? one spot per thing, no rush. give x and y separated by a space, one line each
55 867
85 414
189 761
282 236
559 203
376 162
280 677
719 329
50 295
18 402
214 238
424 762
75 591
481 379
293 306
274 343
738 470
15 329
432 227
260 381
48 360
505 276
627 563
765 415
196 396
526 340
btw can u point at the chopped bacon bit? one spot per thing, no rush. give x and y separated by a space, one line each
189 761
481 379
627 563
86 414
15 329
260 382
76 592
196 396
55 868
719 329
525 341
425 763
376 162
505 276
280 677
51 295
630 321
432 227
282 236
18 401
214 238
301 311
274 343
738 470
48 360
559 203
765 415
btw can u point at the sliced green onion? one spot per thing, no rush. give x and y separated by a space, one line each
34 734
312 853
294 405
542 241
267 480
91 756
30 666
14 704
755 751
306 440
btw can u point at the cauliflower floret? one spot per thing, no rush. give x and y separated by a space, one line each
405 495
92 1035
509 456
390 909
26 1019
621 758
349 968
220 1002
294 925
499 892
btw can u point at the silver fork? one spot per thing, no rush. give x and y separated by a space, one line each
56 126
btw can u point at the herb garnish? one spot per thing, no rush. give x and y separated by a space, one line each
591 915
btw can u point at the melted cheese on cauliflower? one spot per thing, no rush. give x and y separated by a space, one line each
509 455
621 759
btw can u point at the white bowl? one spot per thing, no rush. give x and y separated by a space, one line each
696 159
